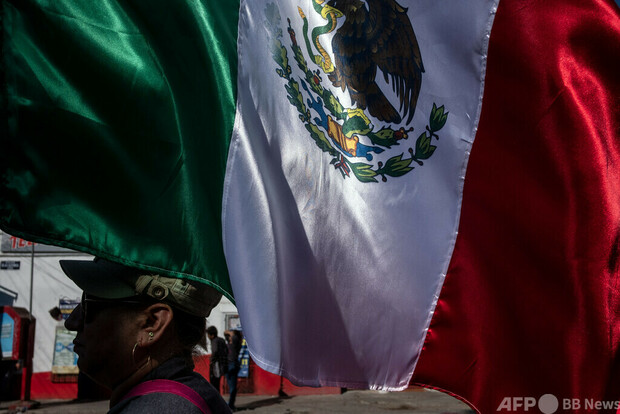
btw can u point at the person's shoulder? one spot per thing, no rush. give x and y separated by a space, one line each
159 402
164 402
221 343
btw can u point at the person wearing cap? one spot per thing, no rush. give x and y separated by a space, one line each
136 333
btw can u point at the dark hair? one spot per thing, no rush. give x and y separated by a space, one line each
191 332
212 330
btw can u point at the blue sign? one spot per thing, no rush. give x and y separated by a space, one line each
6 335
66 306
65 360
244 360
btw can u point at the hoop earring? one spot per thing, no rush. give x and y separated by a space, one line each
133 353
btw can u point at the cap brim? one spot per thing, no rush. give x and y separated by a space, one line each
101 278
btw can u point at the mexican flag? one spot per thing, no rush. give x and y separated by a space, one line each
391 191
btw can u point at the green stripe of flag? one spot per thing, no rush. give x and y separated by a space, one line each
136 102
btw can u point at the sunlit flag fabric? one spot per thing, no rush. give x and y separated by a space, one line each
310 157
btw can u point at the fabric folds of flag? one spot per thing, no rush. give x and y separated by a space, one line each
313 158
119 119
531 302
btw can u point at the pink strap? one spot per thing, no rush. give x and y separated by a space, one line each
170 387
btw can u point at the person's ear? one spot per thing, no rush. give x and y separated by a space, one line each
158 319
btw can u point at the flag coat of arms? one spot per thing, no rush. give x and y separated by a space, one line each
311 160
345 142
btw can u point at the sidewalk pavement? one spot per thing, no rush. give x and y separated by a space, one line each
418 401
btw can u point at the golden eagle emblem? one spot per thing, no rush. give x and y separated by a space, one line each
377 35
366 37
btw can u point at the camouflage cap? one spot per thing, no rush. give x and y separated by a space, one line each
110 280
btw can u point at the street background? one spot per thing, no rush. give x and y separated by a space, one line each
417 401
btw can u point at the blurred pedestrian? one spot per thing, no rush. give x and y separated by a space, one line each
218 365
234 347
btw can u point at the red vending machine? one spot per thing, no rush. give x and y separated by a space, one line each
17 329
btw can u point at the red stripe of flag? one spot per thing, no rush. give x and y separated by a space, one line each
531 302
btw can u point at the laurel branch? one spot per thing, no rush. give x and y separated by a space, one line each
321 98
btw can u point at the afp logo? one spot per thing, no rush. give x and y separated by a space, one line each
547 404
